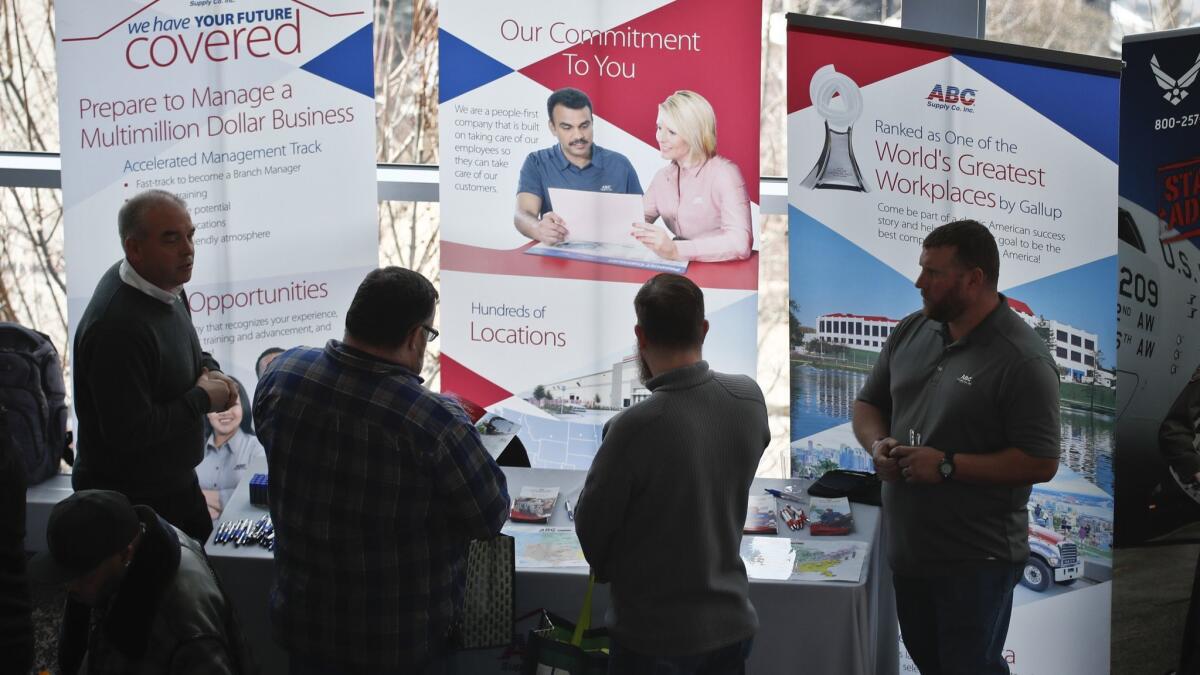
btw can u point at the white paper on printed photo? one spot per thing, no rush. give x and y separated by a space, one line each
606 217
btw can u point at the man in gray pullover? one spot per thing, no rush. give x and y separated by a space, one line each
661 513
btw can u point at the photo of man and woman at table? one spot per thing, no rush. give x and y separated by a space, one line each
582 201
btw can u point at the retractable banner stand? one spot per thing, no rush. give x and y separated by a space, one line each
260 114
1158 357
892 133
539 329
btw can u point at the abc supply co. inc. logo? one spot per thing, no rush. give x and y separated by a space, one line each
950 97
1175 87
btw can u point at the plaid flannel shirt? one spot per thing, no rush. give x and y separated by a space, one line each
376 486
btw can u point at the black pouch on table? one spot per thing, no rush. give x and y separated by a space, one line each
858 486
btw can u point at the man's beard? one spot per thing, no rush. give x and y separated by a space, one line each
644 374
948 309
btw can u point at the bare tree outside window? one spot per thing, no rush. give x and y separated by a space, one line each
406 95
33 273
1063 25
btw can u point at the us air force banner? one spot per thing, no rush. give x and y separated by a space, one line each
1158 347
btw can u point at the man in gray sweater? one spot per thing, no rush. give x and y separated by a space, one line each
661 513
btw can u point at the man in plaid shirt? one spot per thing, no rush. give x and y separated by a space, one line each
377 484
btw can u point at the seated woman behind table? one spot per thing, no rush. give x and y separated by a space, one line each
230 448
700 195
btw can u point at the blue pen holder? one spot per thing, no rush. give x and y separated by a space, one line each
258 489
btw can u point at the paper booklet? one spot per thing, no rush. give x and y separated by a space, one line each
496 433
829 516
760 516
534 505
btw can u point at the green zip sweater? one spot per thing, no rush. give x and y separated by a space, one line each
140 412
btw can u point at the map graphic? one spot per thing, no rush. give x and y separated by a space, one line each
767 557
553 445
829 560
547 547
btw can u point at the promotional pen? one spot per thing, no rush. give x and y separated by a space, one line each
240 537
228 533
570 510
785 495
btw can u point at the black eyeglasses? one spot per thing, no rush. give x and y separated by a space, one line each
431 331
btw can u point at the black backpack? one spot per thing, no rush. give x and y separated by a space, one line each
33 397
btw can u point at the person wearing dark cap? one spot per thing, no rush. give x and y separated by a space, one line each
156 605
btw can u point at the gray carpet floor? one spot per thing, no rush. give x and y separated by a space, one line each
1152 587
47 614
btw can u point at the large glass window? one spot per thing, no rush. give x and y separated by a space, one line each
28 83
1085 26
32 272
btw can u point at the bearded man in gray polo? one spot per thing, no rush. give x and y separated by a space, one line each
961 414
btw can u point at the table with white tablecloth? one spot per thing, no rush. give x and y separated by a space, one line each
812 627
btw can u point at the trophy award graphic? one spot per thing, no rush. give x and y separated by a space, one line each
838 99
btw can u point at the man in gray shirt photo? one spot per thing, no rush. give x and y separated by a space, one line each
574 162
660 517
961 414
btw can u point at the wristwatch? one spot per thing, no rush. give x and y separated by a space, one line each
946 467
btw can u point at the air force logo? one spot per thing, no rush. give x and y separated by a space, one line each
1176 88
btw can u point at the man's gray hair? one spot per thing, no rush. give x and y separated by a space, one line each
130 219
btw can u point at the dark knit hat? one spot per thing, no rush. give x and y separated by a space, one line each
84 530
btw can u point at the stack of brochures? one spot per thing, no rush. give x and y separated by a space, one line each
760 516
534 505
829 516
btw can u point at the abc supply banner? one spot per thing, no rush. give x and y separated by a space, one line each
260 115
890 137
551 224
1158 356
